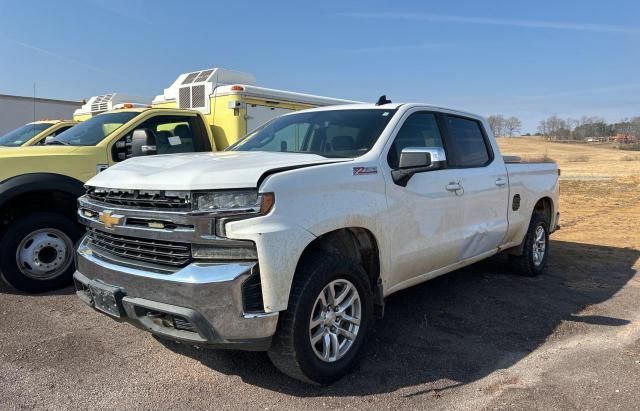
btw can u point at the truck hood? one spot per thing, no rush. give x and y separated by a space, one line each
201 171
77 162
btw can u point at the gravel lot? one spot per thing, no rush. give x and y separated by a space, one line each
474 339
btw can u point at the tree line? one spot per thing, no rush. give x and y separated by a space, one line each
567 128
586 127
504 126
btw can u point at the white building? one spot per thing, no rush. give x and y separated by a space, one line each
16 111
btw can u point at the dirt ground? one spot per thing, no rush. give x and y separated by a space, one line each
479 338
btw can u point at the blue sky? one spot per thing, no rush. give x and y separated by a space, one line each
523 58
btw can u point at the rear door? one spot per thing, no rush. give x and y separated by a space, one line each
482 178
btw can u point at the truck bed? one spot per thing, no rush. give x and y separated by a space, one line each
527 180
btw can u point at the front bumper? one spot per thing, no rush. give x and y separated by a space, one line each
199 304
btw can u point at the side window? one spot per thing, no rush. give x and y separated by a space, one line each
289 138
54 134
467 143
60 130
419 130
174 134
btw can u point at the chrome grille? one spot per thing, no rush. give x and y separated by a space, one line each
152 251
142 199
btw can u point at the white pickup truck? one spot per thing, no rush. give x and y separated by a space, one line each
290 240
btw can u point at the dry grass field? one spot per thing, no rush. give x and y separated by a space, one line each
599 189
577 161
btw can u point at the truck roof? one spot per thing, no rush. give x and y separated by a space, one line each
271 93
106 102
143 109
52 121
394 106
219 81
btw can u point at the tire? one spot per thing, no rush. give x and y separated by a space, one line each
530 264
37 252
292 351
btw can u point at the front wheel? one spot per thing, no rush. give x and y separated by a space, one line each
330 309
36 252
535 248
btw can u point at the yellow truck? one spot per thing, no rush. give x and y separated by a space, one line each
39 132
201 111
35 133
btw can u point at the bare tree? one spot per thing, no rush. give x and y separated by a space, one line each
497 123
512 125
543 129
552 127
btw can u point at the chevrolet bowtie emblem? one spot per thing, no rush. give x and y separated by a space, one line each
109 219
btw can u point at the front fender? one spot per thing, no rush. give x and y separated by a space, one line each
280 245
38 182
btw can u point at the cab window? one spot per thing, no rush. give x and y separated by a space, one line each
467 143
54 134
174 134
419 130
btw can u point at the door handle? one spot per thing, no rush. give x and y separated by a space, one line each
453 187
456 187
501 181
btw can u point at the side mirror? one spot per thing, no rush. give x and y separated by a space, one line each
48 140
417 160
143 143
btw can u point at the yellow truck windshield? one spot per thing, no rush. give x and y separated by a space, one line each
94 130
21 135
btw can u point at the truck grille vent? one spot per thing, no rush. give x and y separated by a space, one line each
184 97
138 199
152 251
203 76
101 103
252 294
197 96
190 77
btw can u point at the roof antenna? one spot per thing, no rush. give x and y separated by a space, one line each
383 100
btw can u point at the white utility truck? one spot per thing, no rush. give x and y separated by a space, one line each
290 240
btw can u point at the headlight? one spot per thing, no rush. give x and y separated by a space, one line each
237 201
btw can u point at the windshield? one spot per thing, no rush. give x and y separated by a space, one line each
331 133
92 131
21 135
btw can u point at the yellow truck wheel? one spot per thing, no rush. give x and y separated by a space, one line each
36 252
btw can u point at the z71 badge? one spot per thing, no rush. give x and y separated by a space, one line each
360 171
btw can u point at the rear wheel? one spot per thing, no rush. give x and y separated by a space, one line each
535 248
36 252
330 309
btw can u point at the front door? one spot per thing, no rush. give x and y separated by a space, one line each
425 217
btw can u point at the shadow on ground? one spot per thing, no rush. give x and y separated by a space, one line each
7 289
459 327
